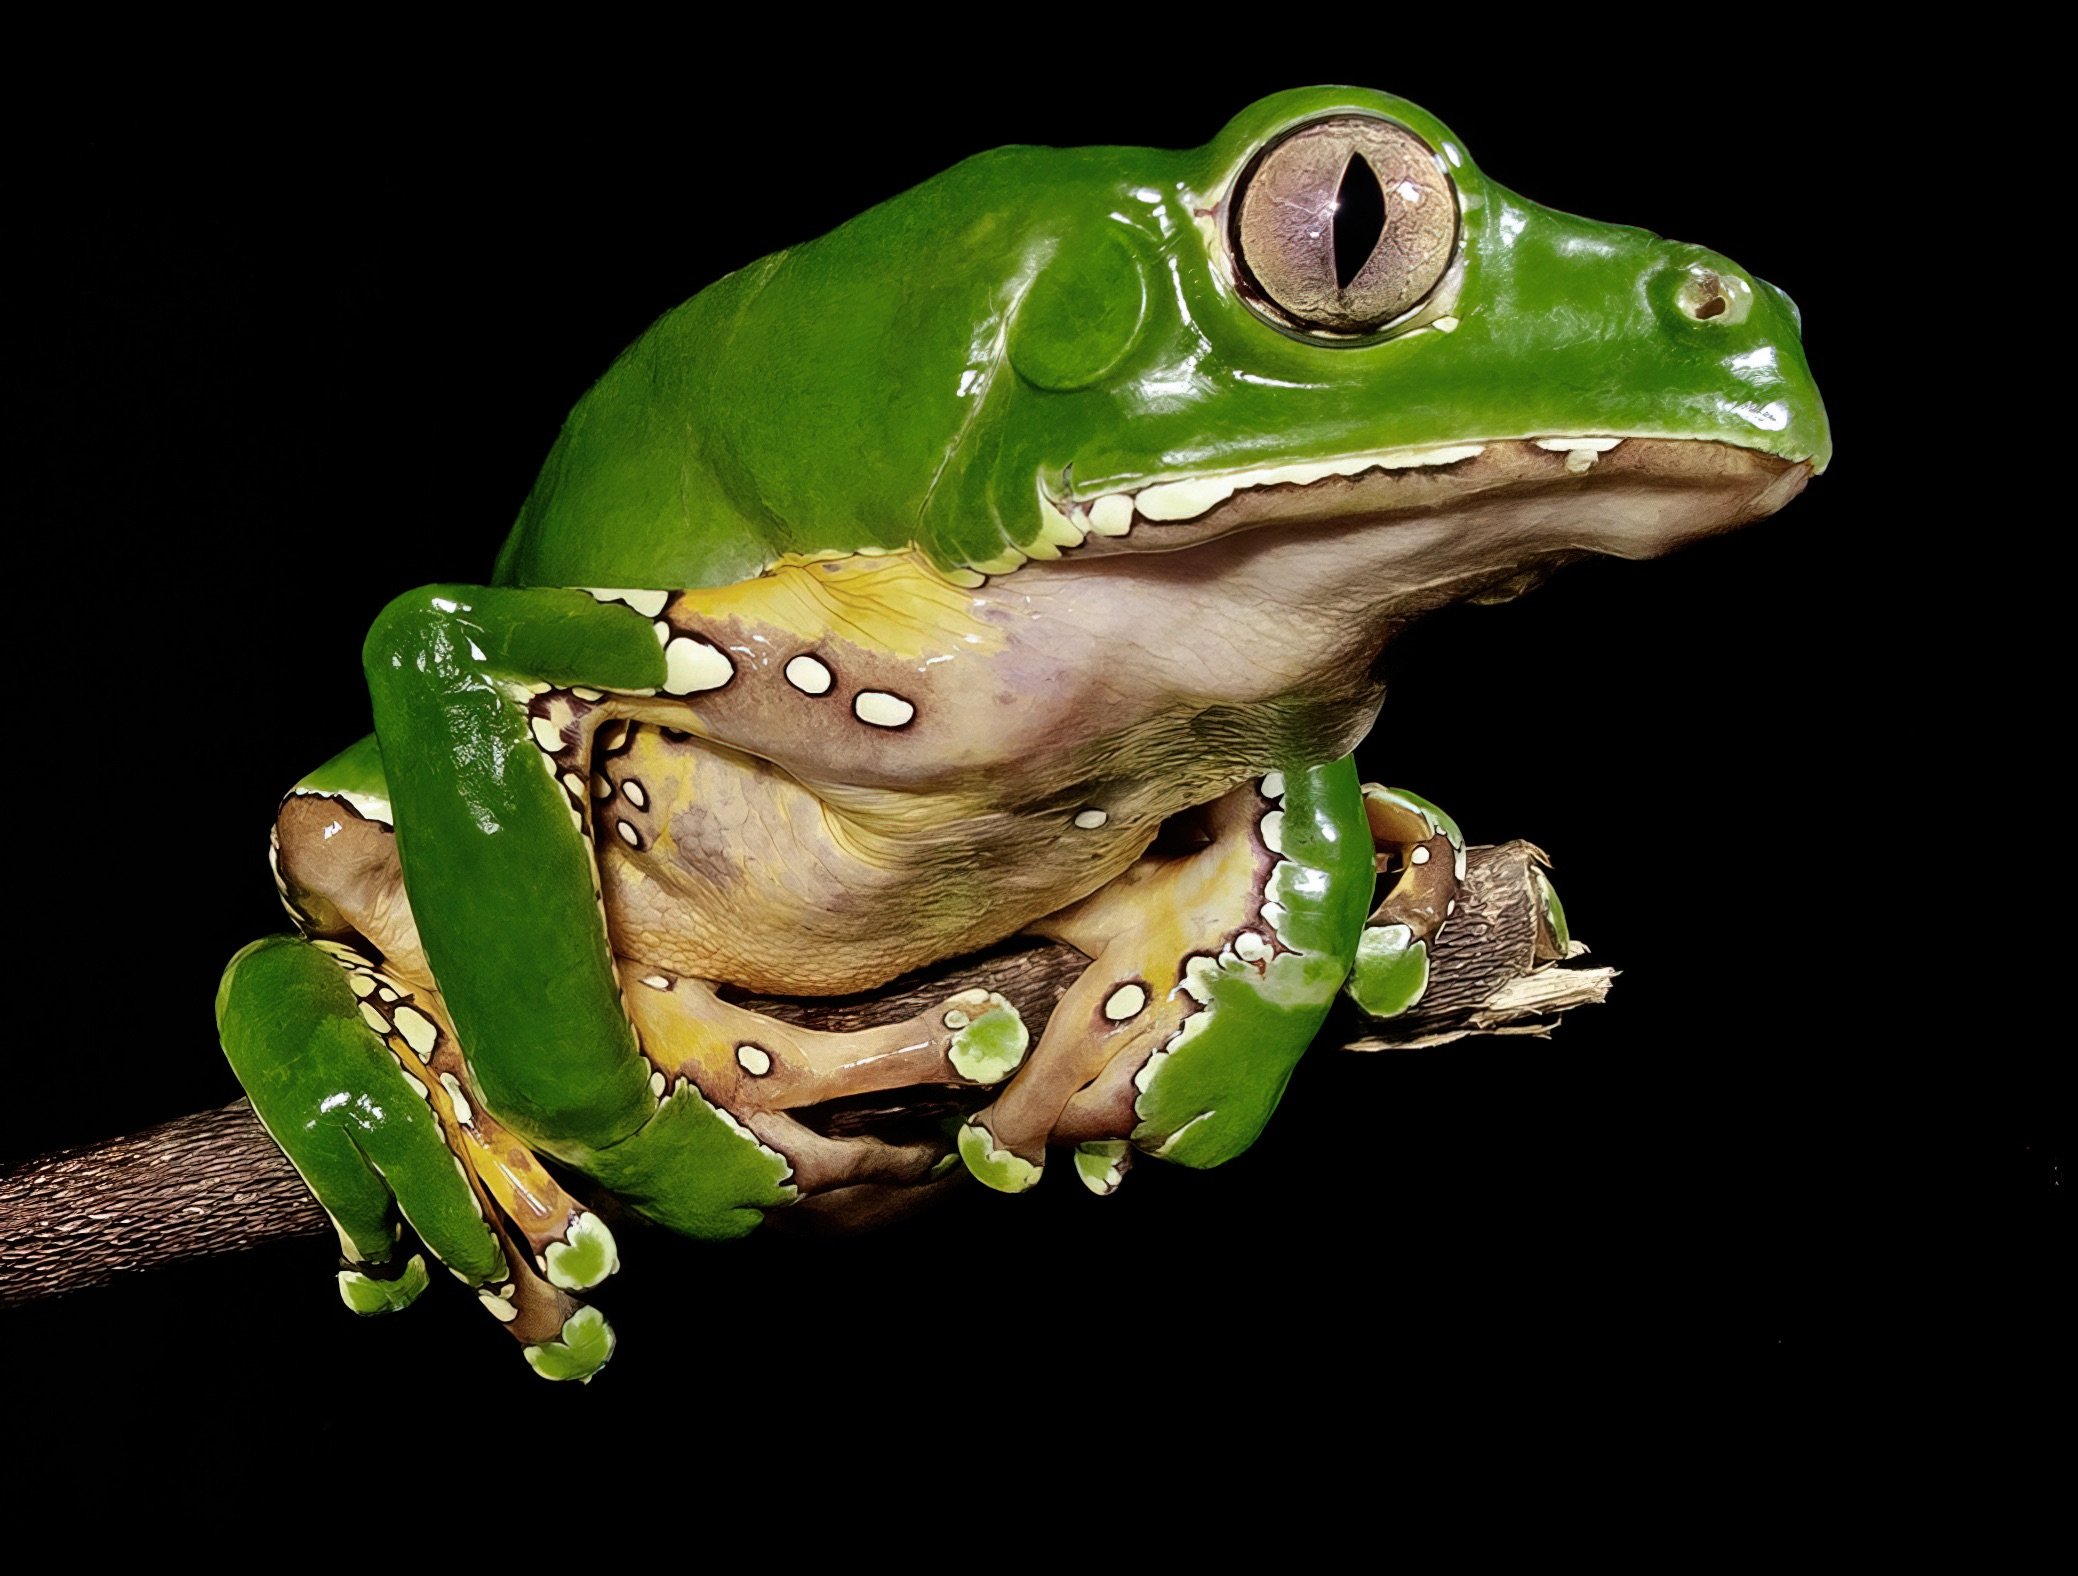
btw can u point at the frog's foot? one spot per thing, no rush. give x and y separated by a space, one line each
841 1108
1422 852
356 1075
1211 970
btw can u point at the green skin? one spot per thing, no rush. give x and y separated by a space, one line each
1077 332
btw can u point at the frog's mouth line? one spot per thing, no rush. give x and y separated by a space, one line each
1633 497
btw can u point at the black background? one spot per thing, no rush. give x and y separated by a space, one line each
294 350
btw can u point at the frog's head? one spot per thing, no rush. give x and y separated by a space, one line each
1327 317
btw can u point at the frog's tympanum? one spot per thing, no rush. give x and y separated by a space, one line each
1014 559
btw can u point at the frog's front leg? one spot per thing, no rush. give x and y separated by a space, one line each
355 1073
487 704
1212 967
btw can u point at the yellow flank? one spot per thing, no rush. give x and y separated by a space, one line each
679 1039
895 603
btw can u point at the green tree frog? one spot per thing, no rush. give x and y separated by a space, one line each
1014 559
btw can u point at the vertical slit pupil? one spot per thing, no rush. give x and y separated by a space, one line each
1359 219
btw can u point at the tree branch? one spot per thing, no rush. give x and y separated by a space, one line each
213 1183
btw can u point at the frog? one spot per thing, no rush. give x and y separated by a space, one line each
1013 561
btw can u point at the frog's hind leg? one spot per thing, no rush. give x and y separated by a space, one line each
775 1075
358 1079
1212 967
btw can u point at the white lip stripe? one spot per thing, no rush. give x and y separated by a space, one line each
1170 502
1567 445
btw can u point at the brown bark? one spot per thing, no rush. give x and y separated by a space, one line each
213 1183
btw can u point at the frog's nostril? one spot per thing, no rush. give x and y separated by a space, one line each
1705 297
1713 295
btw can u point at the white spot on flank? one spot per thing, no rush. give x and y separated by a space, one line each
457 1099
547 734
691 665
754 1059
957 1019
656 982
361 984
1272 828
881 709
1250 947
1273 785
418 1030
636 796
1420 856
809 676
628 834
1125 1002
657 1084
574 783
1090 820
375 1020
1112 515
1198 974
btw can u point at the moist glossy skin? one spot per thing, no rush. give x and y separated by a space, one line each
894 405
951 557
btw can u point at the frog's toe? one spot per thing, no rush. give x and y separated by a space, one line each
993 1166
367 1291
989 1037
578 1352
584 1257
1102 1164
404 1144
1391 972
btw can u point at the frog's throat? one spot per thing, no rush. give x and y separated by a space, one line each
1632 497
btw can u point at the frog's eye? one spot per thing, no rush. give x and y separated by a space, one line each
1342 225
